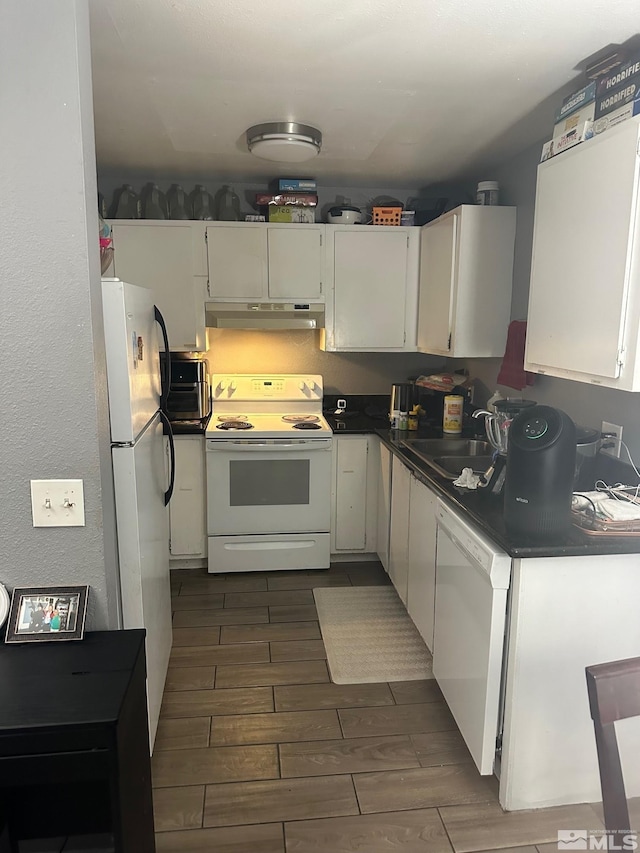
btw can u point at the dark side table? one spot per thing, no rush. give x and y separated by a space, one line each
74 740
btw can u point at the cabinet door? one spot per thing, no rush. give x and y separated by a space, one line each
437 285
295 262
421 586
384 505
351 456
187 516
160 257
237 257
370 281
399 532
585 217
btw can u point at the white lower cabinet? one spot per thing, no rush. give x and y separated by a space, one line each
421 585
566 613
412 547
187 509
384 504
399 527
354 498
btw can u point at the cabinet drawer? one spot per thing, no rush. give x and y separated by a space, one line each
52 768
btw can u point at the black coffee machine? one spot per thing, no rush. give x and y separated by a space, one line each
541 462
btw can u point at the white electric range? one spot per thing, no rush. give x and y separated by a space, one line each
268 474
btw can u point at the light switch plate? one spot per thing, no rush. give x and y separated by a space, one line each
57 503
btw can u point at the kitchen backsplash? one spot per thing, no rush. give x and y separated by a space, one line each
238 351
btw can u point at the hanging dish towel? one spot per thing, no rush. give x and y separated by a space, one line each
512 372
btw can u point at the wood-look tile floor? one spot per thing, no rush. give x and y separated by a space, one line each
258 751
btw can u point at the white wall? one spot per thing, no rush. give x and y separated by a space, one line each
235 351
586 404
52 395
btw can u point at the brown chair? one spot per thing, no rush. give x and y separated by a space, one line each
614 694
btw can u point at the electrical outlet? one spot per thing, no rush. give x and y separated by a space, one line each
616 431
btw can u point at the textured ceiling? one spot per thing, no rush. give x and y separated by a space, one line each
405 92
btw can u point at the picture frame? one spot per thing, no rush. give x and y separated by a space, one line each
47 614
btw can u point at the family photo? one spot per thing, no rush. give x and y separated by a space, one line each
44 614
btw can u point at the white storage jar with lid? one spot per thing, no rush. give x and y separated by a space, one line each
488 192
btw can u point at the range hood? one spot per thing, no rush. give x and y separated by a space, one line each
264 315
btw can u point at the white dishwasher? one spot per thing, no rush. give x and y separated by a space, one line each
472 580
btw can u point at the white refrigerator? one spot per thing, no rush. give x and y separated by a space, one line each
139 474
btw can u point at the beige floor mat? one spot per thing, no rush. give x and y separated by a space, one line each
369 636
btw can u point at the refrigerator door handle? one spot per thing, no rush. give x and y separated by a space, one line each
165 381
172 458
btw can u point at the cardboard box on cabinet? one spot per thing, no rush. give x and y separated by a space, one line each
290 213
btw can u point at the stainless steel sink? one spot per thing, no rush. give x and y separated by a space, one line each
448 456
452 466
447 446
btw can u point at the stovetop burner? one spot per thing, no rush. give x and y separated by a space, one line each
226 418
306 425
234 425
298 419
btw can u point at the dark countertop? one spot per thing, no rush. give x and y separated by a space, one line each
480 507
364 413
190 427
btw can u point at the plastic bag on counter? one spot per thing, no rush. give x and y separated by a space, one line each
442 381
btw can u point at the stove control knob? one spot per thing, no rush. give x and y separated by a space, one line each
219 388
303 387
232 387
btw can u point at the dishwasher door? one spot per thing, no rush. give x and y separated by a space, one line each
472 579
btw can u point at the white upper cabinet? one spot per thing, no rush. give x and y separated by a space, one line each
466 276
258 261
164 256
373 280
584 299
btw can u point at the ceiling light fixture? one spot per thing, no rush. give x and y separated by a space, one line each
284 141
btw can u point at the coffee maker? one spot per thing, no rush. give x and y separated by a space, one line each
497 426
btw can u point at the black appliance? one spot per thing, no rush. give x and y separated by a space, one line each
541 461
188 399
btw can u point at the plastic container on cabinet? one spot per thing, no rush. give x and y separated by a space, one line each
488 192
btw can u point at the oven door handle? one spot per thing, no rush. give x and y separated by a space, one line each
257 447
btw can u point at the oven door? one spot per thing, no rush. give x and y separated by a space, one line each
277 485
